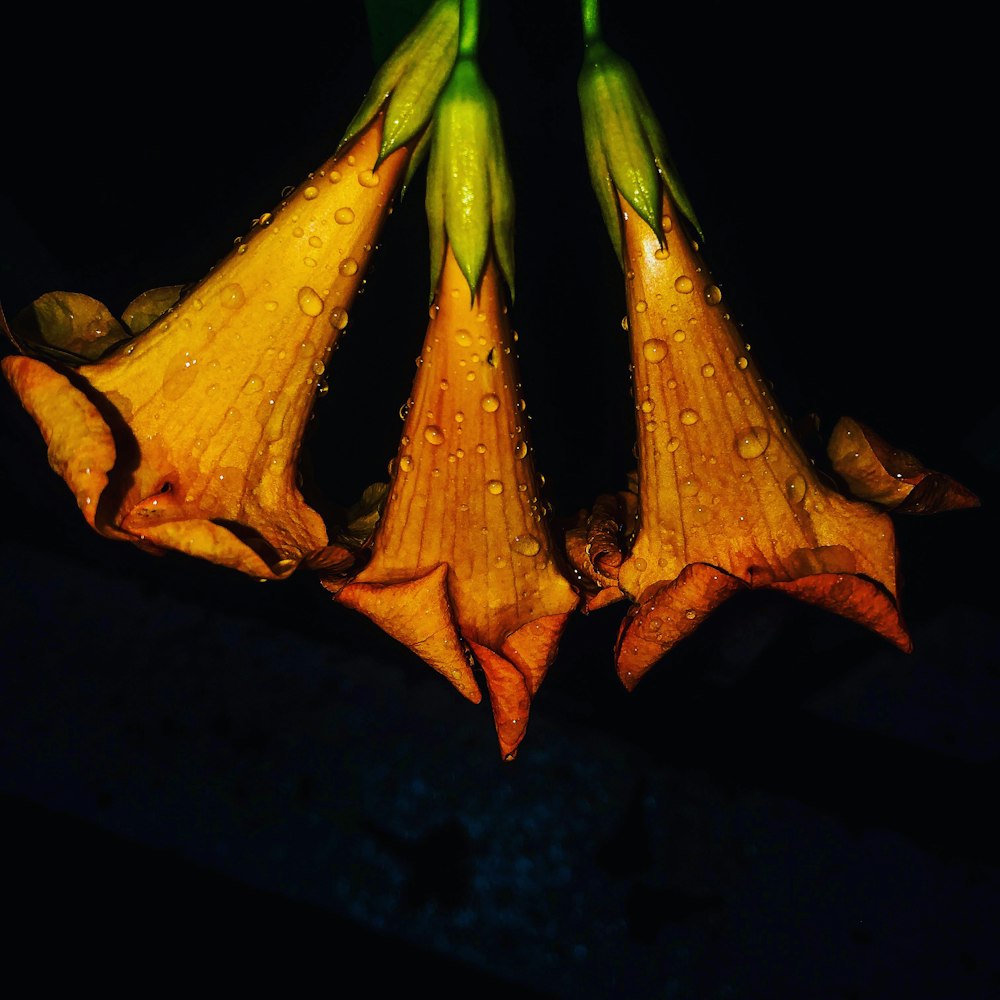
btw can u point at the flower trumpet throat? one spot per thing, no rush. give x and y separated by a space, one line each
187 436
462 557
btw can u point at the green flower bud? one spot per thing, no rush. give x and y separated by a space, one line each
470 196
626 151
408 83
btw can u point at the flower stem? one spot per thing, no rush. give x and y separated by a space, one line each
590 12
468 29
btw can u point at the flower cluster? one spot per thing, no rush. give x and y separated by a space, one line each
178 426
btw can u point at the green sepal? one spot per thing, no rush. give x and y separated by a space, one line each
626 150
470 194
408 83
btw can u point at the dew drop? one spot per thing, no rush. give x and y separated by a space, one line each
406 463
654 624
667 223
673 444
742 363
752 442
795 488
368 178
433 434
684 285
495 487
490 402
343 216
713 295
654 350
232 296
646 406
690 614
315 241
310 193
318 367
463 338
661 253
689 416
625 323
640 306
338 317
481 449
525 545
708 370
520 450
689 486
348 266
334 177
309 301
253 384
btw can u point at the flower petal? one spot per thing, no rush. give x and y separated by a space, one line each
666 613
81 447
417 612
890 477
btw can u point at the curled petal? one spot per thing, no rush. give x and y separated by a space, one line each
418 614
81 447
890 477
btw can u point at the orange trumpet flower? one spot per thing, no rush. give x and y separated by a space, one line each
186 437
462 558
463 566
726 497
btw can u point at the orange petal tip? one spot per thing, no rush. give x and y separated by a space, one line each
417 612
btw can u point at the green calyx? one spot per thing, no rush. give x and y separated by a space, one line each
470 196
408 83
626 150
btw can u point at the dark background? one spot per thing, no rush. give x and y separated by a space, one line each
197 766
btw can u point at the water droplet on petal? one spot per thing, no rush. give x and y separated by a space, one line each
406 463
253 384
495 487
334 177
490 402
689 486
433 434
640 306
338 318
752 442
520 450
689 416
463 338
525 545
309 301
713 295
368 178
310 193
348 266
684 284
344 216
742 363
661 253
654 350
232 296
673 444
795 488
708 370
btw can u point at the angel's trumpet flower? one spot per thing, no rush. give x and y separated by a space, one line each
186 436
726 498
463 566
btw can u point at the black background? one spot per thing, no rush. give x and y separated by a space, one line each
838 171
